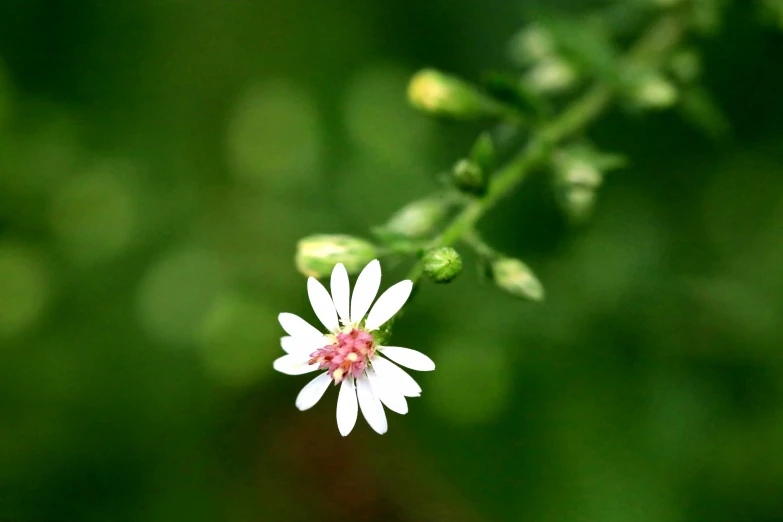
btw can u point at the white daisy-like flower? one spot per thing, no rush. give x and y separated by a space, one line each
348 351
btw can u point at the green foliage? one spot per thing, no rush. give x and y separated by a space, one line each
160 160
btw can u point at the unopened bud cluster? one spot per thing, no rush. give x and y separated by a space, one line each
579 172
548 71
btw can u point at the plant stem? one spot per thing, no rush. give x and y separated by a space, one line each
661 37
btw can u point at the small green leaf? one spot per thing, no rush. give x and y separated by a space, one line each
483 152
697 106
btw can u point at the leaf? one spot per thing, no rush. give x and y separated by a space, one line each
697 107
587 44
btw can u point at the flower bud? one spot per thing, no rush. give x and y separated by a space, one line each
439 94
578 171
578 203
317 255
417 219
584 173
468 176
516 278
442 264
584 166
653 91
551 76
531 44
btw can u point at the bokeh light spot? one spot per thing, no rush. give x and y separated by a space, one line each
238 343
24 288
176 294
36 159
274 135
94 214
472 382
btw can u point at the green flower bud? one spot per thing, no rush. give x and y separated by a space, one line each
578 203
468 176
439 94
577 165
653 91
552 75
317 255
583 166
531 44
417 219
442 264
516 278
583 173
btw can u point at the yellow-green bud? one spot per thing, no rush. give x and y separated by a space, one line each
417 219
442 264
468 176
531 44
583 173
551 75
583 166
439 94
578 203
317 255
577 165
516 278
653 91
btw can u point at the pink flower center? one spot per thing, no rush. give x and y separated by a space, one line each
348 356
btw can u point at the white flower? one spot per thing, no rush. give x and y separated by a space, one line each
348 350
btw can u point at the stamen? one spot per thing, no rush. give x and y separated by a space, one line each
347 356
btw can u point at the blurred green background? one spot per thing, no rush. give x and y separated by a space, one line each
159 159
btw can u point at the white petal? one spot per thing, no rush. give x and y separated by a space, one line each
371 406
408 358
341 291
389 304
365 290
347 407
290 345
397 376
296 345
298 327
387 393
295 364
313 391
322 304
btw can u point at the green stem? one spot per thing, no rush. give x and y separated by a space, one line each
661 37
473 239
